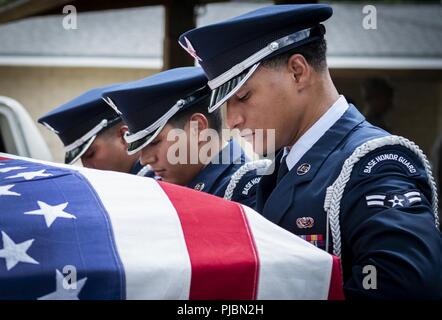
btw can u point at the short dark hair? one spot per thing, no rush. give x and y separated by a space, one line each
111 130
314 52
180 119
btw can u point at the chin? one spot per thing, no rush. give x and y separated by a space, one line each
263 150
259 150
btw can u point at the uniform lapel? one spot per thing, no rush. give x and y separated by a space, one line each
268 183
230 155
136 168
281 199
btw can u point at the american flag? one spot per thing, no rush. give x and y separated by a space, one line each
75 233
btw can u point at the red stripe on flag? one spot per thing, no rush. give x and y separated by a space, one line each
2 158
336 290
221 247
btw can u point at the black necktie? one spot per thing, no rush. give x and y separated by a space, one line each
282 170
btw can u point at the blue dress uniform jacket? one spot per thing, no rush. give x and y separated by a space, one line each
386 219
215 177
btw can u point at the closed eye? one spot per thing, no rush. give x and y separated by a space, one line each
244 97
89 155
155 142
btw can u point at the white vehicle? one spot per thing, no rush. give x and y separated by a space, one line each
19 135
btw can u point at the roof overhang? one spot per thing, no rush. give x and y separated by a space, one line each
385 63
334 62
20 9
82 62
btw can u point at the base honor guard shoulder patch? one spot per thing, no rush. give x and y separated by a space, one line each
385 160
394 200
249 185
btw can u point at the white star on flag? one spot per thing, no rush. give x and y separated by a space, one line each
7 169
51 212
30 175
15 252
64 290
396 202
4 190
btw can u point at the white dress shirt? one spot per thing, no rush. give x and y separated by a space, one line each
315 132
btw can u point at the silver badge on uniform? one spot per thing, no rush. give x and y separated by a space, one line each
305 222
303 169
199 186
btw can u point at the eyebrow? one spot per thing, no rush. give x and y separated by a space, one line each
242 89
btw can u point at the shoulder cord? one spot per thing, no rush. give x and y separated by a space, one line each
334 194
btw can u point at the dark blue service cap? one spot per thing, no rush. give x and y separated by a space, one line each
148 104
78 122
230 51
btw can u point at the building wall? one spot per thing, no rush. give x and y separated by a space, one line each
40 89
417 111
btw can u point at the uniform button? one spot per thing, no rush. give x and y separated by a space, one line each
199 186
305 222
303 169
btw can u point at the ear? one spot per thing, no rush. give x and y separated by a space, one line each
199 121
300 70
121 132
196 124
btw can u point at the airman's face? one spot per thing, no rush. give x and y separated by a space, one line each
108 152
162 152
265 101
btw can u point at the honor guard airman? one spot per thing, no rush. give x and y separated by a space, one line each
93 132
176 101
339 182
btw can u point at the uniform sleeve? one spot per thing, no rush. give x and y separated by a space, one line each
391 247
245 190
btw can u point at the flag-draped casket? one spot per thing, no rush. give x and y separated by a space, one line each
76 233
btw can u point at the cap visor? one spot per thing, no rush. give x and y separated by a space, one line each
225 91
73 155
135 146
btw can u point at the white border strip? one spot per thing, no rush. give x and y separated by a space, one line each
148 235
290 267
389 63
334 62
85 62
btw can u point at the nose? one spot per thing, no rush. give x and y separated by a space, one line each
234 118
147 157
